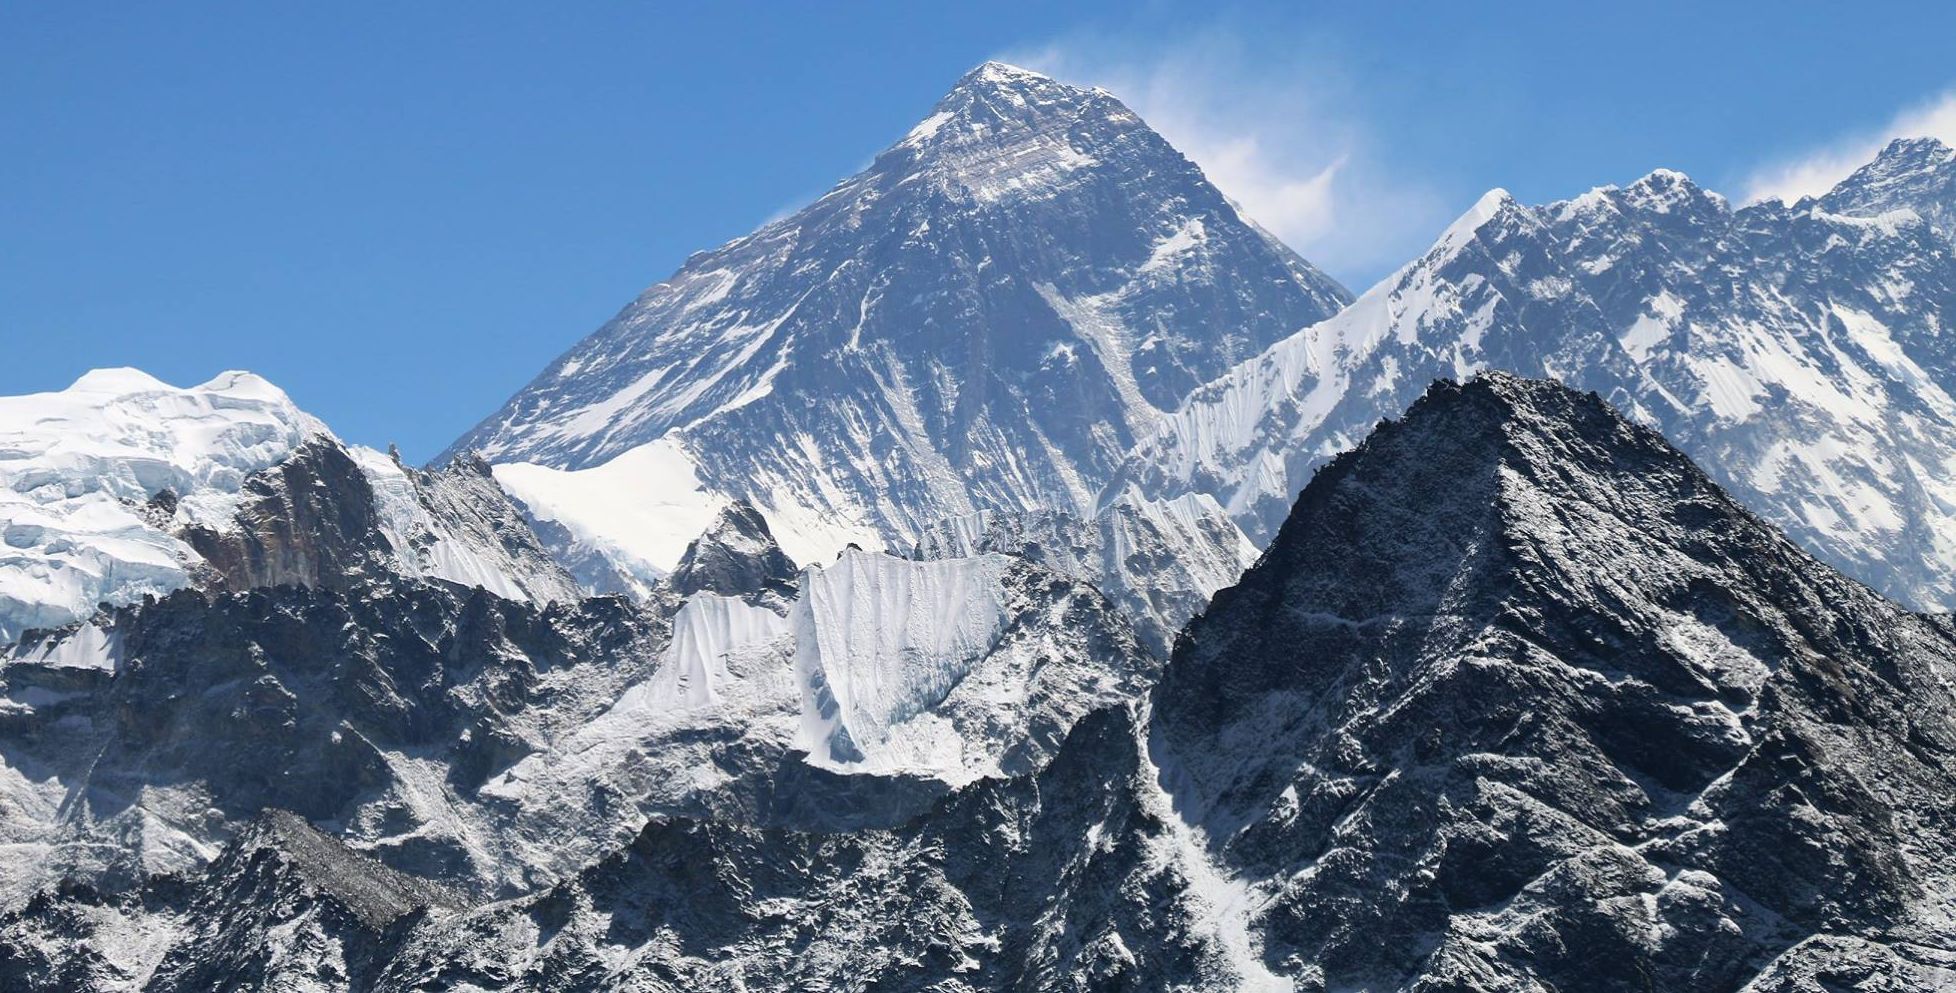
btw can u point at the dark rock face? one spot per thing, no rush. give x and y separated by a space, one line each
1044 882
982 319
1519 699
311 520
380 709
737 556
317 519
283 907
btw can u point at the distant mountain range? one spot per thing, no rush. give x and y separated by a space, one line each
1019 571
1798 352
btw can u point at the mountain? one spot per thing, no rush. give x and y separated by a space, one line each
1552 711
122 487
1797 353
1917 175
78 468
141 741
984 319
736 556
496 745
1517 698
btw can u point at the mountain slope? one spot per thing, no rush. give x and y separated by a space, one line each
985 318
497 746
1553 712
123 486
1518 699
283 907
142 741
1798 354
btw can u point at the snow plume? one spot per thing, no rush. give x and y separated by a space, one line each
1817 170
1275 135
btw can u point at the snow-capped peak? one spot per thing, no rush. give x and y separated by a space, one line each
1464 227
996 107
1779 346
995 73
1916 174
117 380
984 319
80 467
107 488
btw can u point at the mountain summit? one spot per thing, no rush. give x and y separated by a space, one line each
1519 699
1797 353
984 319
1914 174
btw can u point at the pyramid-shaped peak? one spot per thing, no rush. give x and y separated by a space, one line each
1497 497
736 556
1469 451
994 73
998 99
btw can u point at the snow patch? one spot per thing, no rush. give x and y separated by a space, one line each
644 506
708 628
878 641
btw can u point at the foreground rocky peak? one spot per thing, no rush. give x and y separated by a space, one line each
984 319
1519 698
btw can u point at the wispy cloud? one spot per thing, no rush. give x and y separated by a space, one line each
1817 170
1273 135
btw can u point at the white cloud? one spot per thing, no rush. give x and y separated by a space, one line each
1273 135
1816 171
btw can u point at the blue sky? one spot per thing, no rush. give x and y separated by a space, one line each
401 212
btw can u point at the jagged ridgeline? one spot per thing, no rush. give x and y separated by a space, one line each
840 615
1798 352
1517 699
